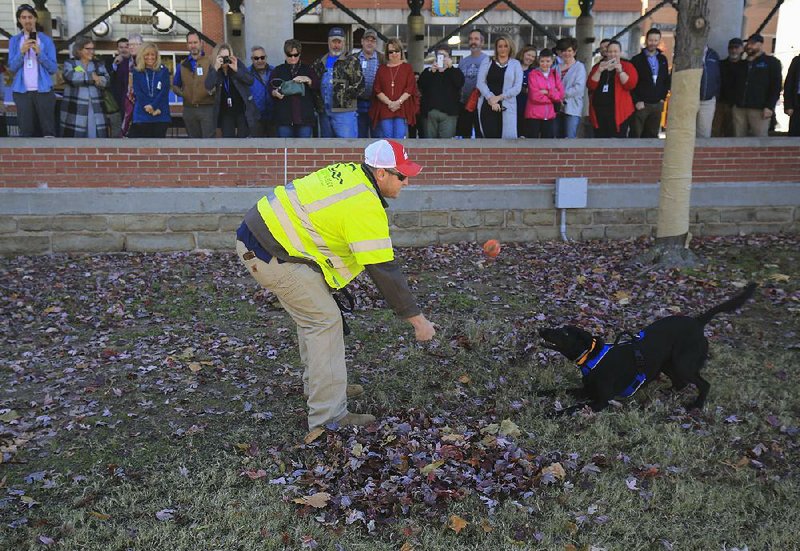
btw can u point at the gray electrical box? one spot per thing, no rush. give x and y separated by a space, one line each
571 193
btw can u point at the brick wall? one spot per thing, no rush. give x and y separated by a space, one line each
214 163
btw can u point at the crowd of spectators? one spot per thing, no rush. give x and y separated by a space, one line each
372 94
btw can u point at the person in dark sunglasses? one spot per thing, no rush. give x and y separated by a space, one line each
262 92
317 234
294 116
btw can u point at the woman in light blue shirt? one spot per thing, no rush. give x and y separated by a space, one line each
32 59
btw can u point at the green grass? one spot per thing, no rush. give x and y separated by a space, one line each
177 440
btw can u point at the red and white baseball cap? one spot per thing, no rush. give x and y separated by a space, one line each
390 154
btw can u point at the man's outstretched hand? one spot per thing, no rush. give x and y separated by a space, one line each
423 329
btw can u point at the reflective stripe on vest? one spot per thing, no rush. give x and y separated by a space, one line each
335 247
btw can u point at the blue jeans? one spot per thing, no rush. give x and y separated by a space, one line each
339 124
297 131
365 129
395 128
567 125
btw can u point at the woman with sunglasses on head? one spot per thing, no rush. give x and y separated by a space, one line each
32 59
151 82
294 115
394 103
499 82
82 106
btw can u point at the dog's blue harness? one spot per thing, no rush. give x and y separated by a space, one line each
589 365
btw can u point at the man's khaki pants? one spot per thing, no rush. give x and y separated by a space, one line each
304 294
749 122
705 117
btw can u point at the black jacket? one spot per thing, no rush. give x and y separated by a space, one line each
291 110
758 85
729 74
790 93
646 90
441 90
242 80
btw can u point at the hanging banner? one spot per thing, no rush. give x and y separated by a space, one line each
572 8
300 4
444 7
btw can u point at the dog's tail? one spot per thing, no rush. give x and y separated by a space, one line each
729 305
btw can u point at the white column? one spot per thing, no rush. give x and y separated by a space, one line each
268 24
725 18
74 12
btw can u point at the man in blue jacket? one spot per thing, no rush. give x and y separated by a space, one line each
32 57
262 93
709 90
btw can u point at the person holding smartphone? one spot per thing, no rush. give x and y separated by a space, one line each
440 86
610 102
32 59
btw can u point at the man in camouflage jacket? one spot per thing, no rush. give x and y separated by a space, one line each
341 84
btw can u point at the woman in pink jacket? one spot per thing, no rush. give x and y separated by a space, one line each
545 94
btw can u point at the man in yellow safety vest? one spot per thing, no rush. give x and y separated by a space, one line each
316 234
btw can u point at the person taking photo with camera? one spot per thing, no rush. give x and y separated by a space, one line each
234 110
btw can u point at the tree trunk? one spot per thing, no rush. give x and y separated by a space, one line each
672 233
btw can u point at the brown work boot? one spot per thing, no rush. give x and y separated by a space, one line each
357 419
353 391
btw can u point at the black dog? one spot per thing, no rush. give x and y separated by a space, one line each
674 345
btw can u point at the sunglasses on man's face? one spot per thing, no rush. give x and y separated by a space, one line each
401 177
292 55
259 57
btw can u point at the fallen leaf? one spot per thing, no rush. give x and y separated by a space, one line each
406 547
779 277
317 500
165 514
622 297
194 367
358 449
457 523
427 469
556 470
509 428
464 379
255 475
99 516
313 435
486 526
452 438
46 541
9 416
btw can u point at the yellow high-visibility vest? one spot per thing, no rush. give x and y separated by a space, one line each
334 217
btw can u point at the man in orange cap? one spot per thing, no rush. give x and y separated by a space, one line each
316 234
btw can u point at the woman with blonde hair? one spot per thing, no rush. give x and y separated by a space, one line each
151 82
499 82
394 94
527 58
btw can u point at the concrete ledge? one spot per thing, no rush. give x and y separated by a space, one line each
185 201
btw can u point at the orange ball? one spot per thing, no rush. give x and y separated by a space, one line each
491 248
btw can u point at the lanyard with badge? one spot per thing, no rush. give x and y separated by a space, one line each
226 83
151 82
